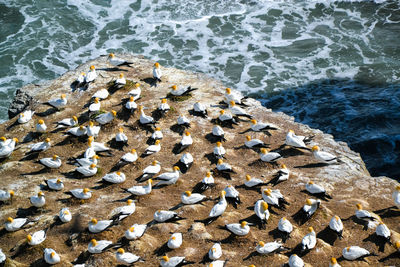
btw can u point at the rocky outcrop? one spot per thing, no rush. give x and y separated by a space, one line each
21 101
348 182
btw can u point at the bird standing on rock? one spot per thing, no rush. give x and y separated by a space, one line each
157 74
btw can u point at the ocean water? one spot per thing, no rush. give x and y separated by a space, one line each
334 65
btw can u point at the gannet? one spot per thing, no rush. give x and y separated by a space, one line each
363 214
80 81
58 102
53 162
215 252
224 167
114 177
150 170
65 215
79 193
2 257
140 190
95 106
101 94
295 261
311 207
168 178
295 141
41 146
87 161
162 216
252 143
153 148
262 212
135 92
252 182
232 195
355 252
96 247
116 61
55 184
233 96
333 263
181 91
50 256
219 263
25 116
383 231
91 75
218 209
199 109
78 131
106 117
189 198
285 227
120 82
121 213
157 74
91 130
226 117
175 241
86 170
130 104
126 257
100 226
13 225
309 240
219 151
7 149
316 190
145 119
396 196
281 175
121 137
206 182
218 133
322 156
135 231
97 147
173 261
129 157
274 198
238 111
163 107
336 225
270 247
183 121
268 156
187 160
240 229
38 201
4 141
185 142
6 195
67 122
41 127
36 238
257 126
157 134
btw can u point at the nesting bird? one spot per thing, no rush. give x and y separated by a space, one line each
78 131
168 178
175 241
145 119
323 157
68 122
50 256
285 227
253 182
232 196
140 190
126 257
55 184
52 163
317 190
135 92
87 170
239 229
121 137
150 171
185 142
38 201
157 134
199 109
96 226
254 143
355 253
90 76
215 252
58 102
336 225
96 247
309 240
182 91
219 151
274 198
163 108
41 146
135 231
101 94
123 212
6 195
79 193
65 215
36 238
311 207
282 175
120 82
257 126
296 141
107 117
218 133
238 111
226 118
25 116
131 104
267 156
117 62
41 127
270 247
235 96
262 212
7 149
16 224
114 177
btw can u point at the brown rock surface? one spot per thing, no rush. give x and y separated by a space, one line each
348 182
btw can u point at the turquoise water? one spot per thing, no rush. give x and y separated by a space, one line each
269 49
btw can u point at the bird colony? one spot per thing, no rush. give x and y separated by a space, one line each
132 163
